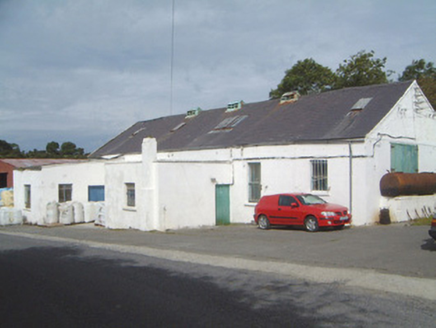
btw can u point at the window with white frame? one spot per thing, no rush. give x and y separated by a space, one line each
27 203
130 194
254 182
319 175
65 193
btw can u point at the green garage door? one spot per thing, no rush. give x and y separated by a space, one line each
222 204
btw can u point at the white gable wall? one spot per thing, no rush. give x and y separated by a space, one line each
406 123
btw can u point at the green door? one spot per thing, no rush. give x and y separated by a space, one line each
222 204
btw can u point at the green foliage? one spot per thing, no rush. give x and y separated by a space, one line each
306 77
425 74
361 69
421 221
8 150
52 149
417 70
67 150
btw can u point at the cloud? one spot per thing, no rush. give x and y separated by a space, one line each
84 70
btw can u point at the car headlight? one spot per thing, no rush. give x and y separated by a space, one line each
327 214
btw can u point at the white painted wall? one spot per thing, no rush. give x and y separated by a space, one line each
283 169
405 208
142 171
33 178
118 214
187 193
44 185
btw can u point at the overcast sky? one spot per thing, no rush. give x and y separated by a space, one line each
85 70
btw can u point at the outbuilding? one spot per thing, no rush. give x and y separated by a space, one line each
211 167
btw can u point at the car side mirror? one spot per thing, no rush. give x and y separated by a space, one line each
293 205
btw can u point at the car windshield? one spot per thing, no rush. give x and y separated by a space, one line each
311 199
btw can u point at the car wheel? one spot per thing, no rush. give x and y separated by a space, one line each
263 222
311 224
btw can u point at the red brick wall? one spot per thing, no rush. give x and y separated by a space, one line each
8 170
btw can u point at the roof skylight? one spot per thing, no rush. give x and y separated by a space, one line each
179 126
229 123
361 103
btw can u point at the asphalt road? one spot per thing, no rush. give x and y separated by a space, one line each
393 249
46 283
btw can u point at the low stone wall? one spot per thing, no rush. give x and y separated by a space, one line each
406 208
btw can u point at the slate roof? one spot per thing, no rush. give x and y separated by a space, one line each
313 118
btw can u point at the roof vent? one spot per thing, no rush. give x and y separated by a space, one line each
193 112
361 103
290 97
233 106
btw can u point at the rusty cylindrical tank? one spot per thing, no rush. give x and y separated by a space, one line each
406 184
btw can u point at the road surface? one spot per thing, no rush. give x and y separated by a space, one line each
61 284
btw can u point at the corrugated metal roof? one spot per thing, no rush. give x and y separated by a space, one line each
320 117
36 162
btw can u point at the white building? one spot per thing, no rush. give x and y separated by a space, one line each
210 167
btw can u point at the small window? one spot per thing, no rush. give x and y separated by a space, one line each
27 196
254 184
96 193
65 193
319 175
130 194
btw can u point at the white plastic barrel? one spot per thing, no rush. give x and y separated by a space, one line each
78 212
66 213
52 213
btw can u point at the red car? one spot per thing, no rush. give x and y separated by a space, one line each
306 210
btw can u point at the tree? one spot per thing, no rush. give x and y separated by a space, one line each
8 150
425 74
52 149
361 69
305 76
417 70
69 149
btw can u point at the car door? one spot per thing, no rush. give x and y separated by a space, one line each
286 213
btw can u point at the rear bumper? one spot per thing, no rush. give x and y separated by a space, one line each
432 233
